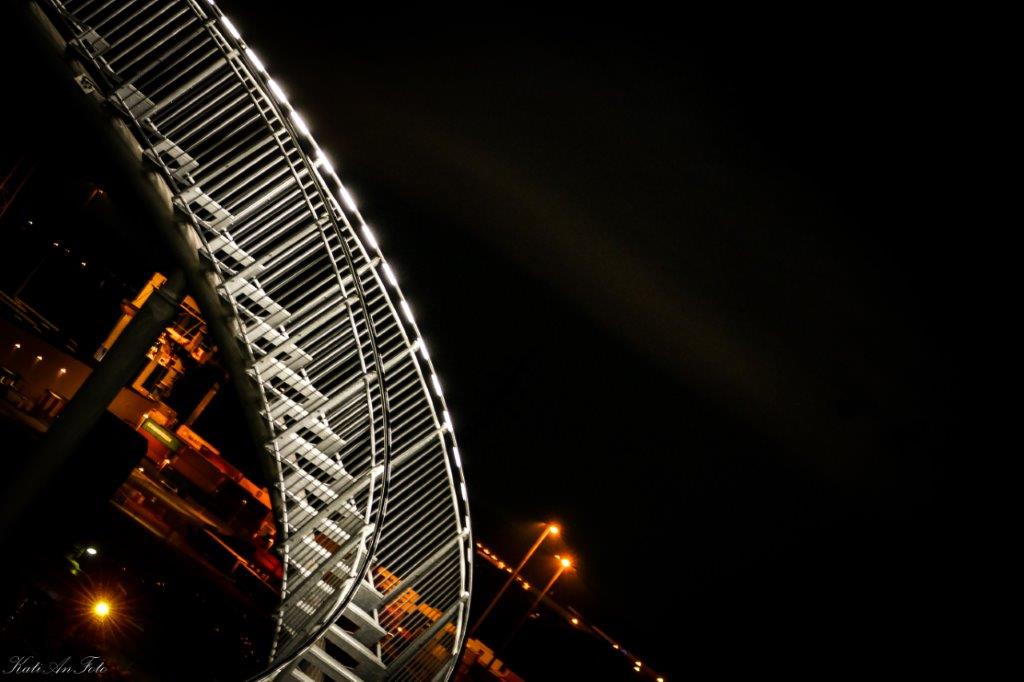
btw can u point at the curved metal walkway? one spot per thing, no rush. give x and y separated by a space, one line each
372 501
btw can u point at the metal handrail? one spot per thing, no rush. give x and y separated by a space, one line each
132 43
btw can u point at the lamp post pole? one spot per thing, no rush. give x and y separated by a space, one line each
550 529
563 565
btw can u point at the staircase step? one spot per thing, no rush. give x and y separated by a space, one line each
322 660
369 630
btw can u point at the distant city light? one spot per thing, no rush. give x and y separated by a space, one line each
565 562
17 346
554 530
575 621
63 370
91 551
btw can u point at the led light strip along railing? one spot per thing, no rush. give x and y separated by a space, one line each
374 506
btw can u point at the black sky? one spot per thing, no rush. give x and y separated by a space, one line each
703 299
692 296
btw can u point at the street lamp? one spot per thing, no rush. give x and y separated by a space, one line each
564 563
549 529
101 609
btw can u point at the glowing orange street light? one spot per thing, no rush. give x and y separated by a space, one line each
549 529
564 563
101 609
574 620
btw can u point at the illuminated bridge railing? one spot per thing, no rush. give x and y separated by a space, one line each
372 499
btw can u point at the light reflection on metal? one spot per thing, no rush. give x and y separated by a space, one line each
375 511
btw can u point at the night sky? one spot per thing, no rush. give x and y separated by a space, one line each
698 298
695 298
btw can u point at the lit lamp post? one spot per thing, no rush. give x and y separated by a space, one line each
563 565
550 529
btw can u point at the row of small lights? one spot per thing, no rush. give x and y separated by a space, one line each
500 564
322 164
67 252
56 245
493 557
108 274
39 358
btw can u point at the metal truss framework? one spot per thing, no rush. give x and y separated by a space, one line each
372 502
